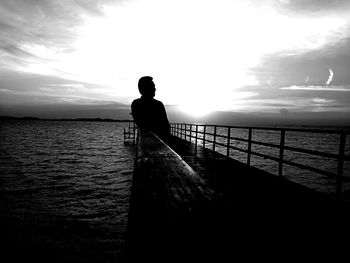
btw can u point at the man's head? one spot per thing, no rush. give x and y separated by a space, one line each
147 87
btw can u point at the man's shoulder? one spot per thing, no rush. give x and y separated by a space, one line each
141 102
158 102
136 101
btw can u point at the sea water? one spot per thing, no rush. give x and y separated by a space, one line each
65 188
65 185
321 142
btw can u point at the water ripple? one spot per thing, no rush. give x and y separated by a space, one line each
66 184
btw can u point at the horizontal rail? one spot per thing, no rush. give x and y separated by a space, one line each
208 133
309 168
326 131
294 149
166 196
312 152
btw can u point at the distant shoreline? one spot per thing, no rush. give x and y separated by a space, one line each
268 123
2 118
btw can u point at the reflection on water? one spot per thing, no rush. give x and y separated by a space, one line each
65 188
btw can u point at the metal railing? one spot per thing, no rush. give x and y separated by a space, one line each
220 137
130 132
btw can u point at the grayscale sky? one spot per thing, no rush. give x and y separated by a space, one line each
226 55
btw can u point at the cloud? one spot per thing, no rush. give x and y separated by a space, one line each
15 51
308 68
285 1
321 101
297 104
75 85
284 112
330 78
47 23
297 98
28 88
70 44
314 6
318 88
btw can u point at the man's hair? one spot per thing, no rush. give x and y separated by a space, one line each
145 83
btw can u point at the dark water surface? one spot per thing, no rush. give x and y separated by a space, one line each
65 185
327 143
64 190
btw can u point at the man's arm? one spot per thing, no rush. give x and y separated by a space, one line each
165 120
134 113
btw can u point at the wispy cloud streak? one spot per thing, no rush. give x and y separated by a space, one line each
330 78
318 88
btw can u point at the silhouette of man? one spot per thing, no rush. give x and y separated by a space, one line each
149 113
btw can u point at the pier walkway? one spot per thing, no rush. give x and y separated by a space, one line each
193 204
245 183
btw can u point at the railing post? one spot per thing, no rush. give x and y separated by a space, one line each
214 139
204 130
340 165
195 149
185 132
191 133
186 128
228 141
280 164
128 132
181 130
249 145
134 132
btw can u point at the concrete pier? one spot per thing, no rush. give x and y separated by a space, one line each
193 208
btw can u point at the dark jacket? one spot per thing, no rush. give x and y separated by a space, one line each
150 114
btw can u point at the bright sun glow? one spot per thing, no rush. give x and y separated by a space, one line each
195 109
191 48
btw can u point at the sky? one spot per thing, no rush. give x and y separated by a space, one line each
281 56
